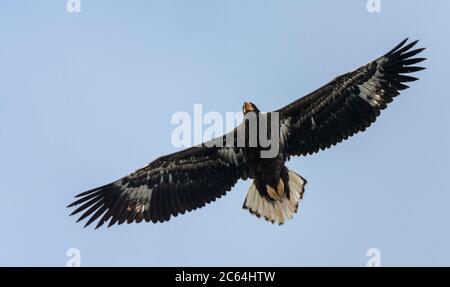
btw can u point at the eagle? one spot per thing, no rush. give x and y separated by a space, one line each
189 179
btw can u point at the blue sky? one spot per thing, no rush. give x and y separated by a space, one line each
86 98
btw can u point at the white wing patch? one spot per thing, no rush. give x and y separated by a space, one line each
370 90
285 130
230 155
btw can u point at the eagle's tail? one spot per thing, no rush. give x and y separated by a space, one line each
282 208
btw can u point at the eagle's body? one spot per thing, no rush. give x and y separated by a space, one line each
276 190
189 179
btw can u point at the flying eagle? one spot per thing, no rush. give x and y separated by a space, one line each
189 179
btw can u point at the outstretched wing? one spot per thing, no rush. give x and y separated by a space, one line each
348 104
169 185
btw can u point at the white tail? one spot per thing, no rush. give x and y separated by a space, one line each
276 210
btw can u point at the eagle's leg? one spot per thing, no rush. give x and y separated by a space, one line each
277 192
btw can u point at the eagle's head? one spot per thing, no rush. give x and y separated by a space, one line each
249 107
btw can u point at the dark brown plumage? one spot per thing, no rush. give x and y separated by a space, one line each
189 179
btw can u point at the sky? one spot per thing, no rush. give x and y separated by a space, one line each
86 98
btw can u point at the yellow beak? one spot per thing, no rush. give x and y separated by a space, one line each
248 107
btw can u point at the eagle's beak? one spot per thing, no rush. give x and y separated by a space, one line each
248 107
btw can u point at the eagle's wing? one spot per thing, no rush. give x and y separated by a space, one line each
171 184
348 104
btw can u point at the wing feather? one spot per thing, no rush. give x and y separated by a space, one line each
348 104
170 185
